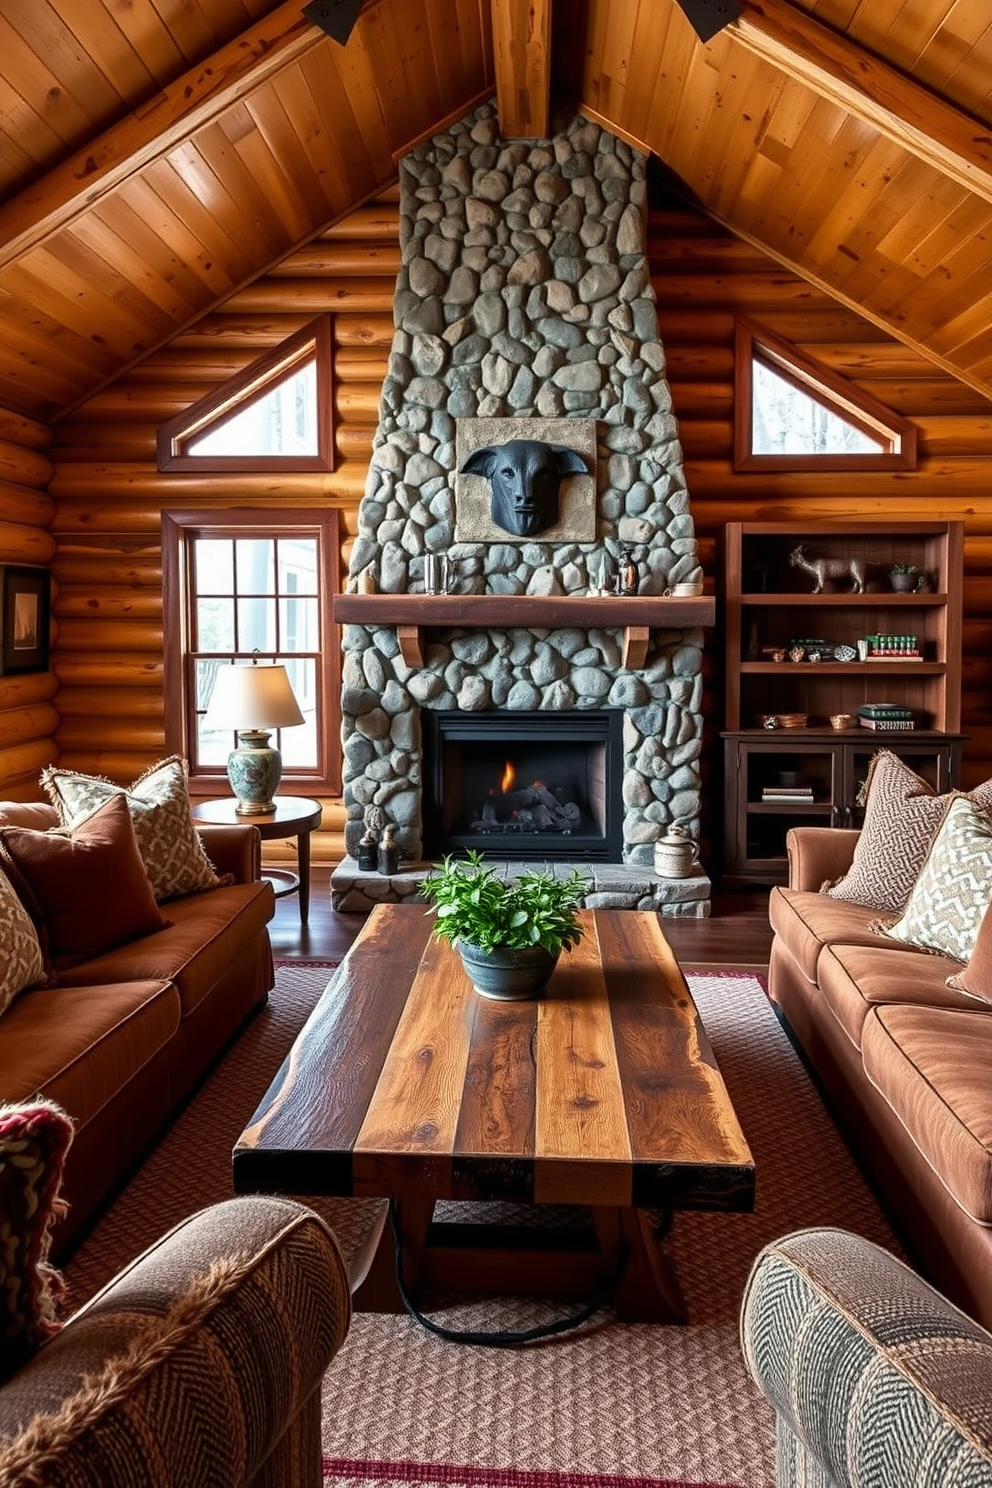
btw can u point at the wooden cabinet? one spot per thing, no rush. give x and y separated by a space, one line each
777 777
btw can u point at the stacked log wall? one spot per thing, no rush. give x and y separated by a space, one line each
109 493
28 716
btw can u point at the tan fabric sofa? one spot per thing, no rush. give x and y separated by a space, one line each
121 1039
903 1059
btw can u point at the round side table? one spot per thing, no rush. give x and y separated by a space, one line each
294 816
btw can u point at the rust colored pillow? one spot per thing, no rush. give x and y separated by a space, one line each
85 886
976 978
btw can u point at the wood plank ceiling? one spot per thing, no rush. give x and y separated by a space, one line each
156 157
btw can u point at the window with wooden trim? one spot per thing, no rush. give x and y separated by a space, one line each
244 584
793 412
275 415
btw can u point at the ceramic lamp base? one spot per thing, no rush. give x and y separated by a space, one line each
254 770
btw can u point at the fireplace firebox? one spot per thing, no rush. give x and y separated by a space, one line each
524 784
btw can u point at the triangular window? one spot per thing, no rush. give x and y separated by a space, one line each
793 412
276 414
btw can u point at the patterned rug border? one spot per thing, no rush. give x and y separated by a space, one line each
493 1477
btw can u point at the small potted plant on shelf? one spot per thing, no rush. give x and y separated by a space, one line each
509 930
904 577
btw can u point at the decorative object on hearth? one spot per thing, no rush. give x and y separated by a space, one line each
826 569
675 854
368 852
508 929
253 700
904 577
388 856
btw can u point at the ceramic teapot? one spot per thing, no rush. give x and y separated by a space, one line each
675 854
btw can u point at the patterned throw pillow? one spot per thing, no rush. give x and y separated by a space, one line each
64 876
159 805
34 1139
976 978
902 814
22 963
954 889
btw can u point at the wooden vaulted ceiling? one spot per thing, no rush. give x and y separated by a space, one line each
154 157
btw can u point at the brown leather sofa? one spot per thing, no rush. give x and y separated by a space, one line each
121 1039
903 1059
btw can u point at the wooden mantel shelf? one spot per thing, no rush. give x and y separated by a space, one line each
636 615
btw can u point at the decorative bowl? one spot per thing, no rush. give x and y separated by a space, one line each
774 653
792 720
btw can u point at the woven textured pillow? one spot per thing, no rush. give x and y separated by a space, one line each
22 963
954 889
158 801
34 1139
85 886
902 814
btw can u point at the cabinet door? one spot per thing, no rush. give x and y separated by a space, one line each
773 785
937 762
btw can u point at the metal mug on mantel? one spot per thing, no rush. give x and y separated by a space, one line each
675 854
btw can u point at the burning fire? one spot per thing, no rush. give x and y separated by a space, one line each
509 776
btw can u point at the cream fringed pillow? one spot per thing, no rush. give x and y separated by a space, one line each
22 963
902 814
954 889
158 801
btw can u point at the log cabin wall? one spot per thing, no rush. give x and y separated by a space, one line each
28 718
109 493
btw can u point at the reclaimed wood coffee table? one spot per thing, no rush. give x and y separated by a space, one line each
603 1093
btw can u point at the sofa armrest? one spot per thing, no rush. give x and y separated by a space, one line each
874 1376
201 1362
818 855
233 849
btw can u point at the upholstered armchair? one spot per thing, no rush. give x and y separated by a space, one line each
200 1363
877 1381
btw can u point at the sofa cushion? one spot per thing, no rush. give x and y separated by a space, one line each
976 978
159 805
79 1046
85 885
22 963
807 921
953 891
34 1139
902 815
932 1066
208 932
855 978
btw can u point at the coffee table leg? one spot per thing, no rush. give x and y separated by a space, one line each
648 1290
379 1291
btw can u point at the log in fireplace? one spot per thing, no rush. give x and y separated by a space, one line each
524 785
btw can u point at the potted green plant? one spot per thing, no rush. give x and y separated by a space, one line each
508 929
904 577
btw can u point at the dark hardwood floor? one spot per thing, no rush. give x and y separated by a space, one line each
736 934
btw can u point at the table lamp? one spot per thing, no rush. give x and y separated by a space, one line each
252 700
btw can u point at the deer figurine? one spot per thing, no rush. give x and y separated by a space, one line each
823 569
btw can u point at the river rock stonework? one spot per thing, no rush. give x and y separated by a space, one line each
524 292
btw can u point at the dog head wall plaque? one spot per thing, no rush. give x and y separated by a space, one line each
526 485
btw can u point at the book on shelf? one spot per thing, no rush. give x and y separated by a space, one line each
883 724
884 710
794 797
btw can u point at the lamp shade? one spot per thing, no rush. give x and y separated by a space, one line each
252 697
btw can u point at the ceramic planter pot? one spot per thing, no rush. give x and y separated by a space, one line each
903 583
506 974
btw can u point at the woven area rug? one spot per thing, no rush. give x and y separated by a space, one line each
609 1406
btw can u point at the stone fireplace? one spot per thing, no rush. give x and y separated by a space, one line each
524 295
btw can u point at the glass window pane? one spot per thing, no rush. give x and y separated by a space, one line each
298 565
282 420
214 565
256 565
214 625
299 621
299 745
787 421
257 625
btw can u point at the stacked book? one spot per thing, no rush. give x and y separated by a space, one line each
885 716
793 795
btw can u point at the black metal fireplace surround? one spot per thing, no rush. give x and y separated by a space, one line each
524 784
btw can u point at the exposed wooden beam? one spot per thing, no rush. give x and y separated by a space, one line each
153 130
900 109
522 56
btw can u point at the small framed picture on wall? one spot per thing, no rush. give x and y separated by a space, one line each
25 602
